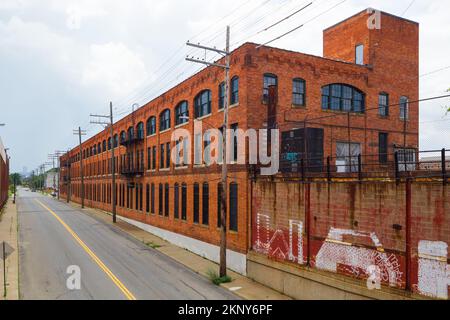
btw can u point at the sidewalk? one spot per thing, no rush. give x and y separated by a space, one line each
8 233
240 285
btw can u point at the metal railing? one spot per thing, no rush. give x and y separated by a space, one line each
397 165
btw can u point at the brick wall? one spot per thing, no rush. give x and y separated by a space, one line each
4 175
352 225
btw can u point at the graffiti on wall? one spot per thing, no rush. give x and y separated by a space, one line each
336 254
356 260
276 245
434 272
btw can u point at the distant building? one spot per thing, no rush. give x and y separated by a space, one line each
51 180
434 163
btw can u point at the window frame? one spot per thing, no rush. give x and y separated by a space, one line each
164 120
199 105
151 126
383 109
302 94
343 97
265 97
234 90
182 110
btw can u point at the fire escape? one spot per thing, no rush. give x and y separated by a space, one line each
132 163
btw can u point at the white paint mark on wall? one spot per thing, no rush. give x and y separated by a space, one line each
335 251
277 246
434 272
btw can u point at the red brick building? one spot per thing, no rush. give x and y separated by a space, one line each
354 100
4 175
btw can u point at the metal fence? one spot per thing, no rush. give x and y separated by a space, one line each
397 165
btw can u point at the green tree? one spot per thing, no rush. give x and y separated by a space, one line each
18 178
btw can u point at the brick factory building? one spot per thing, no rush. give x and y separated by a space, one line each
4 175
356 99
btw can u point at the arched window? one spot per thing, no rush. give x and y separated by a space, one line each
130 133
404 108
202 103
164 120
109 143
269 80
151 126
140 130
99 148
123 137
221 95
342 97
104 145
181 113
234 98
116 141
94 150
298 92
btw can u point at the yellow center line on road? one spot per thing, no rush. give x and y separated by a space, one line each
102 266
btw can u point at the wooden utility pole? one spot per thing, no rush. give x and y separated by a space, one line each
110 123
80 133
223 213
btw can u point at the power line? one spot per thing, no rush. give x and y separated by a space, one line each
435 71
286 18
409 6
300 26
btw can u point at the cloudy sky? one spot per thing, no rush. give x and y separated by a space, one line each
61 60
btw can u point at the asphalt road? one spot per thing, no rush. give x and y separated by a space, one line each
113 265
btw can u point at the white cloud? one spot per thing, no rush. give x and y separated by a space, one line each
76 14
113 67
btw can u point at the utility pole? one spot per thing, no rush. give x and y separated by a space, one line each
80 133
58 155
113 162
223 200
53 157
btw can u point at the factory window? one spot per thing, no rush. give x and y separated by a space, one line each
269 80
233 206
383 104
151 126
221 95
205 204
203 104
181 113
140 130
234 90
176 201
359 54
342 97
196 195
166 199
298 92
164 120
404 108
184 201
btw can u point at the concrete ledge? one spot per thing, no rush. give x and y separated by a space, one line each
235 261
307 284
